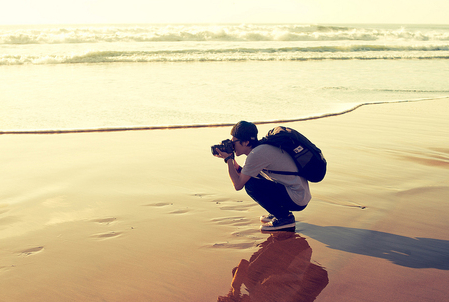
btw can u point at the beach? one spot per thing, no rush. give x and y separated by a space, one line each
152 215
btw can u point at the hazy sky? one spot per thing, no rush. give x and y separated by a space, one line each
223 11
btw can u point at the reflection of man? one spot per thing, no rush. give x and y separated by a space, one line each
280 271
278 194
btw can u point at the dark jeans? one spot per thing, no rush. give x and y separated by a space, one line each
271 196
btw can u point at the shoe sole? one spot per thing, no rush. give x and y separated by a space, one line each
277 228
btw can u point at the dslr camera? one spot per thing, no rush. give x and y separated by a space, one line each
226 146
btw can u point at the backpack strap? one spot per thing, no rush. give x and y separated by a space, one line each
282 172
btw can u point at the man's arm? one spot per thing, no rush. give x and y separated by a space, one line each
238 179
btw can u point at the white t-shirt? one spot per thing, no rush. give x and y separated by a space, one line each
272 158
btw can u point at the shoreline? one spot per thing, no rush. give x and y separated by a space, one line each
196 126
152 215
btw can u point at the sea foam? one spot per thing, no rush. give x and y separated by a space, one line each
361 52
172 33
211 43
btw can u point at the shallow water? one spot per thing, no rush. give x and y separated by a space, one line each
90 77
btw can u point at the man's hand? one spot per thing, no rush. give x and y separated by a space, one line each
222 154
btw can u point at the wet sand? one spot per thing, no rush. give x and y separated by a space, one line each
152 215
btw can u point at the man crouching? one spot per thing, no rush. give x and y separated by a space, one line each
277 193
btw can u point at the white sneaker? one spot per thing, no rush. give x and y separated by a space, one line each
266 218
279 224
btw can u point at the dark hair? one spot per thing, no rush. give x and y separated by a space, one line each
246 131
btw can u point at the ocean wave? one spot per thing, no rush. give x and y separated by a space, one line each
227 33
173 127
361 52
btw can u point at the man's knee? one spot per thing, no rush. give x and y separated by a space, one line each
251 185
258 188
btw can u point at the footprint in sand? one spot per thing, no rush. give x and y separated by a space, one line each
180 211
163 204
243 239
249 233
237 207
201 195
158 204
31 251
106 235
6 268
227 204
246 239
232 205
104 220
219 200
235 221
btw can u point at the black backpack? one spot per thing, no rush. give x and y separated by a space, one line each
308 157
